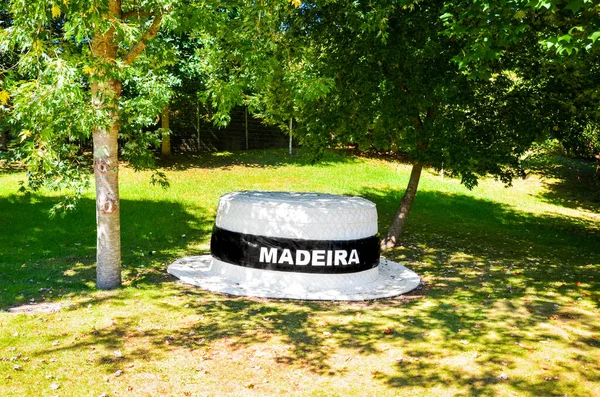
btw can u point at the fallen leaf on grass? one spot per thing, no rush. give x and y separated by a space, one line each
167 340
388 331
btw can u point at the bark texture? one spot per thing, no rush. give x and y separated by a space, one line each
399 222
105 95
3 140
165 149
108 222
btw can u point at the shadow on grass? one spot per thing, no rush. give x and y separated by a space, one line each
254 159
499 284
571 183
498 278
41 257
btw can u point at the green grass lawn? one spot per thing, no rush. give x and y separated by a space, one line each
510 304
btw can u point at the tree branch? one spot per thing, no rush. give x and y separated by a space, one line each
136 13
417 122
149 34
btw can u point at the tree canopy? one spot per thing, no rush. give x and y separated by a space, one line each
386 79
554 45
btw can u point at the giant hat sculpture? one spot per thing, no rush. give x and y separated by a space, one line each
308 246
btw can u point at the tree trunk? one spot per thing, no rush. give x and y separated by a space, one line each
165 150
108 221
246 125
399 222
106 92
3 140
291 141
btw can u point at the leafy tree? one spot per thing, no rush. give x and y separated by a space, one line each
173 60
552 44
294 84
395 88
489 29
569 90
76 56
84 64
261 68
8 60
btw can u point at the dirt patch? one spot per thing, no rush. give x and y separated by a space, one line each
44 307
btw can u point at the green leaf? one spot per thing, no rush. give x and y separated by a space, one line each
519 14
577 28
575 5
594 36
24 134
566 37
545 4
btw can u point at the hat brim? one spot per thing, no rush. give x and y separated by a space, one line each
386 280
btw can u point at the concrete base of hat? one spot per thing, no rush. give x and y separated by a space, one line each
387 280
